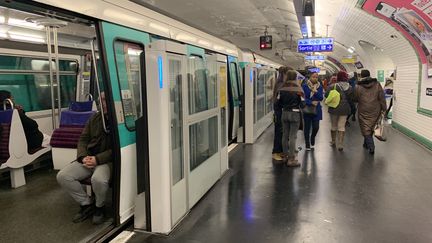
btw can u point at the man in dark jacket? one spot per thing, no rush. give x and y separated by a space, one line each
277 117
93 160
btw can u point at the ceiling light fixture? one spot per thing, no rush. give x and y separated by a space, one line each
351 50
23 23
309 26
26 37
2 19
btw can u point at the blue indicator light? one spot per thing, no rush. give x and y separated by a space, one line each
251 75
160 72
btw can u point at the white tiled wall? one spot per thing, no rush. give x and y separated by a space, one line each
353 25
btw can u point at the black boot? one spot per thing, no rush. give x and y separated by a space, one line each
85 212
99 215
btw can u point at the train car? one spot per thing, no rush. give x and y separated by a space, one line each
173 97
260 75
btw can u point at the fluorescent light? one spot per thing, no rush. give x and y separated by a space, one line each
26 37
134 52
23 23
203 42
351 49
159 27
3 35
2 19
309 25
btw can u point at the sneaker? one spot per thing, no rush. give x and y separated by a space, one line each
308 148
85 212
312 147
99 215
277 156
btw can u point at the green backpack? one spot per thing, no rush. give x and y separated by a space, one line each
333 98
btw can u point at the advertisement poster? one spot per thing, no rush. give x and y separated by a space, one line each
413 18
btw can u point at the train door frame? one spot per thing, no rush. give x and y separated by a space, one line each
129 35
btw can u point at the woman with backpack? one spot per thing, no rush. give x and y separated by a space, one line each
340 110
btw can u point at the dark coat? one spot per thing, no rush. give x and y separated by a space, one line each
289 95
94 141
371 103
346 93
34 137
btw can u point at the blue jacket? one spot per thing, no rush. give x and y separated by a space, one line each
318 96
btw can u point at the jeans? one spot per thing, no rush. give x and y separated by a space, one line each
369 141
70 176
277 141
290 123
310 124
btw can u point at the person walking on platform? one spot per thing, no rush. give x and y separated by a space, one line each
277 117
352 81
289 98
339 114
388 89
312 113
371 105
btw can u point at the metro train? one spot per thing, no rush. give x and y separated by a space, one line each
175 99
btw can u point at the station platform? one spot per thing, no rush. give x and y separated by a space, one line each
348 196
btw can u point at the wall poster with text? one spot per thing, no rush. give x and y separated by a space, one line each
413 18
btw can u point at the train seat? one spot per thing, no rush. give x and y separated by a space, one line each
64 140
14 154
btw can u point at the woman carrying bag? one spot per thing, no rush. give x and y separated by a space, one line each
340 111
312 113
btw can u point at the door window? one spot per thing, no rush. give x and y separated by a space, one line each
128 63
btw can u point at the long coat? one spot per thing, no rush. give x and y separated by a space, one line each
371 103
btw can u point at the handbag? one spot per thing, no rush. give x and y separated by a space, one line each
309 110
380 130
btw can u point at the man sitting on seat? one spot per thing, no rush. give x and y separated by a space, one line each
93 160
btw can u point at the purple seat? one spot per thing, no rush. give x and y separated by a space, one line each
81 106
5 122
75 117
66 136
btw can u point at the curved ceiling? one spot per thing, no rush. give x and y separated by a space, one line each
243 21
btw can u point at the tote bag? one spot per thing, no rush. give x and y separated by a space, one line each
380 130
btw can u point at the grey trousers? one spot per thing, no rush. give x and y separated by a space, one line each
70 176
290 125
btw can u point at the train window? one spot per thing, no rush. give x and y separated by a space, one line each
128 62
27 78
269 91
202 92
175 67
234 81
203 141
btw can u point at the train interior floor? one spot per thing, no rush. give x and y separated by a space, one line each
348 196
41 211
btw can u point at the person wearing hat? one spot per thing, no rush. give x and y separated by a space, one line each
371 104
339 114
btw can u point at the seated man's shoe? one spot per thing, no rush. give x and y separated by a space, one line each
277 157
99 215
85 212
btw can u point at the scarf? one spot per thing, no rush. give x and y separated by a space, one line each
313 87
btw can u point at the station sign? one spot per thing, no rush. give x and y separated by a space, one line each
315 45
314 70
314 58
349 59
